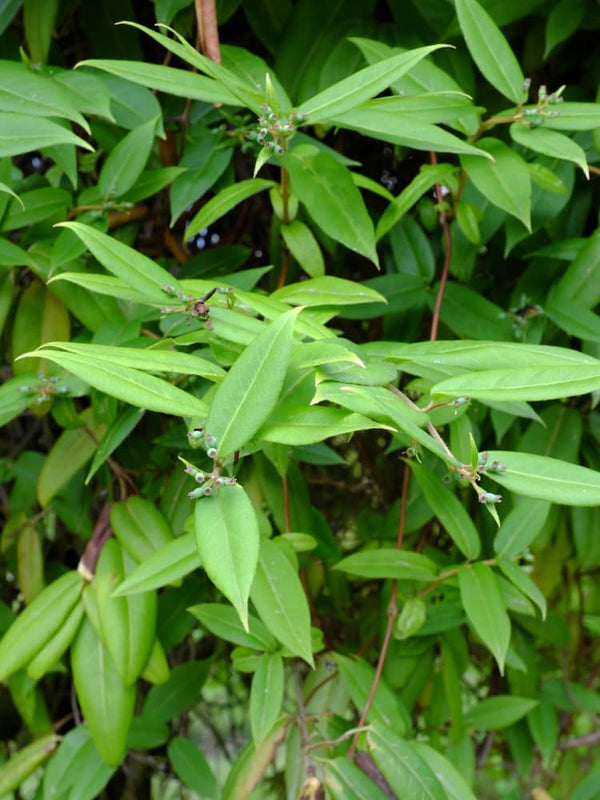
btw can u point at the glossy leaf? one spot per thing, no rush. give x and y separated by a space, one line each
250 390
225 201
37 624
279 598
386 562
167 565
484 606
505 181
266 695
490 50
107 705
361 86
228 542
449 511
326 189
498 712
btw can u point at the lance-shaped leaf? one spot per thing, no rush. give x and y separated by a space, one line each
547 478
550 143
249 391
523 383
364 84
279 598
127 624
449 511
266 695
490 50
227 539
484 605
130 385
106 703
223 202
136 270
327 191
505 181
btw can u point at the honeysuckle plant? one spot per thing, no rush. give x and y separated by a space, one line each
301 464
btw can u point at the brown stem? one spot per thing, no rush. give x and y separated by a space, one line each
208 29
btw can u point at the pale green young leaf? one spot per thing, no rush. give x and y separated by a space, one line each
304 247
127 384
364 84
386 562
249 391
126 161
178 82
227 539
223 202
135 269
266 695
490 50
167 565
547 478
328 193
505 181
495 713
484 605
550 143
327 290
449 510
279 598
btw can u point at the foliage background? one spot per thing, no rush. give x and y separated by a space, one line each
489 675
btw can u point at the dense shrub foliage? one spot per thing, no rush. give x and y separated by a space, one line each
301 466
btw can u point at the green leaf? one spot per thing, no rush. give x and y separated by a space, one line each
498 712
327 290
407 773
179 693
484 605
364 84
449 510
24 762
178 82
39 623
227 539
279 598
266 695
191 766
519 578
167 565
223 202
522 383
107 705
249 391
505 181
304 247
520 527
550 143
427 176
20 134
126 161
387 562
328 193
136 270
222 621
387 709
127 624
130 385
145 359
490 50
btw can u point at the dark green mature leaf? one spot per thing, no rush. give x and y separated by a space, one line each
248 393
328 193
490 50
279 598
504 181
484 606
228 541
